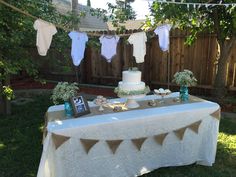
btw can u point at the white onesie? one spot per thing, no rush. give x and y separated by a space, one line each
45 31
109 44
139 45
78 46
163 34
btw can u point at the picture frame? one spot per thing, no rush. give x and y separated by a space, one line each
79 105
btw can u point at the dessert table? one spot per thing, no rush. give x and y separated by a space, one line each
130 143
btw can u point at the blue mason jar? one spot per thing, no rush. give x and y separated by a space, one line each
68 109
183 93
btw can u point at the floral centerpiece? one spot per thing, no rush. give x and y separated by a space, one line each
63 92
185 79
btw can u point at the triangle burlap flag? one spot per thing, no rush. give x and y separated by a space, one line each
113 145
180 133
216 114
138 142
160 138
88 144
59 139
195 126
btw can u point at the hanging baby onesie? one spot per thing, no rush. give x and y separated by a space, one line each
78 46
163 34
139 45
45 31
109 44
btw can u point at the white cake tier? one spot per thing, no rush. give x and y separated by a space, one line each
131 86
131 77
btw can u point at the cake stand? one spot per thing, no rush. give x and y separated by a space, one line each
131 102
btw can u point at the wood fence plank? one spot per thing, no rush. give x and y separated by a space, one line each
201 58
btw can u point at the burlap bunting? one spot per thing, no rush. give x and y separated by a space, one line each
88 144
195 126
180 132
216 114
160 138
59 139
113 144
138 142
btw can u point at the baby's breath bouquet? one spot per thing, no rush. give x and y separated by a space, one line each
185 78
63 91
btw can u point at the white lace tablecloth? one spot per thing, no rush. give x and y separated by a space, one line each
70 159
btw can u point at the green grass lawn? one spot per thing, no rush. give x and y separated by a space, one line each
21 135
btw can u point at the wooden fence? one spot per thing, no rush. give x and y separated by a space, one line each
201 58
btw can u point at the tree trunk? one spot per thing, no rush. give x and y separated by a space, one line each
220 80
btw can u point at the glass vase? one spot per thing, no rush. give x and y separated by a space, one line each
68 109
183 93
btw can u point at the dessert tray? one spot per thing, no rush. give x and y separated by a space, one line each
162 92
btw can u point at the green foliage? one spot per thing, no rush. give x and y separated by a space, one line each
117 13
8 92
89 3
100 13
120 13
218 19
94 43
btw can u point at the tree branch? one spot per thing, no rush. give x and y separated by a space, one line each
217 27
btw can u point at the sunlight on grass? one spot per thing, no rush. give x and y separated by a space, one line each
41 128
2 146
229 142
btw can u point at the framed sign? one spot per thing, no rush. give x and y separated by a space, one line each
80 106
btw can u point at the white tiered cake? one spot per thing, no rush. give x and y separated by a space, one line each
131 81
131 87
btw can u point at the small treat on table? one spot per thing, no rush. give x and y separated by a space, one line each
100 101
177 99
117 109
167 91
100 97
162 92
152 103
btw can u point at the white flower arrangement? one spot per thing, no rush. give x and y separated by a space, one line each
185 78
63 91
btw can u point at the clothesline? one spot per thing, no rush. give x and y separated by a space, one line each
138 40
195 3
57 25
